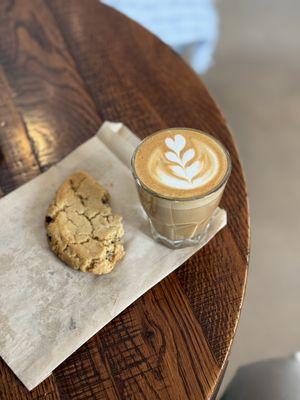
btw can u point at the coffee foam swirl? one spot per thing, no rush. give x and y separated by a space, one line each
181 163
184 168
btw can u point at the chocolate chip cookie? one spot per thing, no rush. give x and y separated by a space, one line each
81 229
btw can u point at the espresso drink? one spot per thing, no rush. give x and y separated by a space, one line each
181 175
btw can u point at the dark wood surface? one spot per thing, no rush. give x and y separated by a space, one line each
65 67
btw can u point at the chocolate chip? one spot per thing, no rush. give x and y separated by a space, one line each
48 219
104 200
49 238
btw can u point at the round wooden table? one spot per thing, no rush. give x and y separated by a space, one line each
66 66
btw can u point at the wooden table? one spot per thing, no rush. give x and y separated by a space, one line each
66 66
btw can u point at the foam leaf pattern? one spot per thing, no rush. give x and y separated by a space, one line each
193 170
186 162
173 157
180 142
177 144
188 156
179 171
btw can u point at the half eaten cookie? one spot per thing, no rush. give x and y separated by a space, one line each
81 229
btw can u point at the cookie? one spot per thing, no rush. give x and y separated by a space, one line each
81 229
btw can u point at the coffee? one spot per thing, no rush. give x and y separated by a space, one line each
180 174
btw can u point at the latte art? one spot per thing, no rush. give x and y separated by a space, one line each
181 163
182 169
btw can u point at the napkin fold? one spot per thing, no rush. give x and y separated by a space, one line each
48 310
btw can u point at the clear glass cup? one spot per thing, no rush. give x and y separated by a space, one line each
180 222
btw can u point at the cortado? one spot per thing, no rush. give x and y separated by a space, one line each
180 174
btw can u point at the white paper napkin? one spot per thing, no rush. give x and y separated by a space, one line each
48 310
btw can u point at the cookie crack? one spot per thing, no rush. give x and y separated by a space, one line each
83 242
67 249
75 191
72 184
57 212
95 216
88 219
93 228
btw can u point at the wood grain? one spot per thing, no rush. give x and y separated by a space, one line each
140 353
47 90
65 67
18 162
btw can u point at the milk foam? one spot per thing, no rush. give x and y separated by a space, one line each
175 162
181 168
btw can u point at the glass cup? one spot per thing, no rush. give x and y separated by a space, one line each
180 222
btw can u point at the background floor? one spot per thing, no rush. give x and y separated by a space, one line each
256 81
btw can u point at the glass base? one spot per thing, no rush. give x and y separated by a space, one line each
178 244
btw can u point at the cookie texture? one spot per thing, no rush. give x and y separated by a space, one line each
81 229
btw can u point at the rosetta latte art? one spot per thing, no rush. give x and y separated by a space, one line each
186 167
181 163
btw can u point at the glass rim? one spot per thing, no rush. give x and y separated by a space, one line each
195 197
